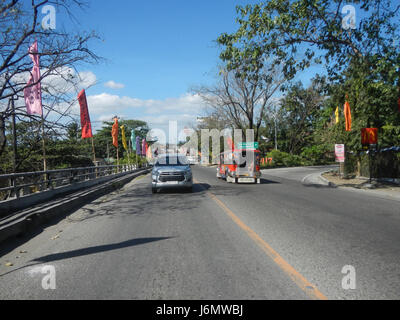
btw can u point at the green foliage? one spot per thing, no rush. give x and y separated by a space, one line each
281 29
373 103
316 154
299 114
283 159
363 63
64 149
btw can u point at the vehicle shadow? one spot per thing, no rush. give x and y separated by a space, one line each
141 201
197 188
267 181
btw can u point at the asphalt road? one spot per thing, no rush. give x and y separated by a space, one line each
277 240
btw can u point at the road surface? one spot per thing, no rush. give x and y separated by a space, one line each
277 240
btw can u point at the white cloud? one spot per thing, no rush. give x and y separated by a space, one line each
63 79
157 113
114 85
105 102
68 80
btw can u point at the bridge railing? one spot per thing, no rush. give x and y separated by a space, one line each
16 185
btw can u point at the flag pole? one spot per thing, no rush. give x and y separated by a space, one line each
94 152
94 156
129 152
117 161
44 147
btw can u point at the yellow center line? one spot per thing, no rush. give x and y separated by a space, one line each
293 274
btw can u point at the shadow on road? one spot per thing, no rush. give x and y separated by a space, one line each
197 188
267 181
97 249
319 186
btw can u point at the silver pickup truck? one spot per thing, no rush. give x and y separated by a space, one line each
171 171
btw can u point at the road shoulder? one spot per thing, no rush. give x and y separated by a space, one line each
385 190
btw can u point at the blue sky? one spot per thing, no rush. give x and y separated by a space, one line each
155 51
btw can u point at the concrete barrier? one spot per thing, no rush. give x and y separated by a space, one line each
26 220
7 207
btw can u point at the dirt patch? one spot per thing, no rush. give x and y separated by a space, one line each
359 183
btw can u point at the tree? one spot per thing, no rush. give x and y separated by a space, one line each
300 113
241 100
59 51
372 103
301 32
362 62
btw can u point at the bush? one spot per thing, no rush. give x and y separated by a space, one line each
278 157
292 161
315 154
283 159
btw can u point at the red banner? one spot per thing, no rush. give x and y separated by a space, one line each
85 119
369 136
398 103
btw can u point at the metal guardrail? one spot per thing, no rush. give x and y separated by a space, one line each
16 185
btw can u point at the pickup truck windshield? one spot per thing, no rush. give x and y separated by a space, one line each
172 161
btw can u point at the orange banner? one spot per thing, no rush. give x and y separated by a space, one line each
114 132
369 136
347 115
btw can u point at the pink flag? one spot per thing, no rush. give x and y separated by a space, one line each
33 93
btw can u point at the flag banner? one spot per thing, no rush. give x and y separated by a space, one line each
114 132
398 103
133 140
138 150
347 115
369 136
149 153
124 138
85 119
33 90
337 114
143 147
